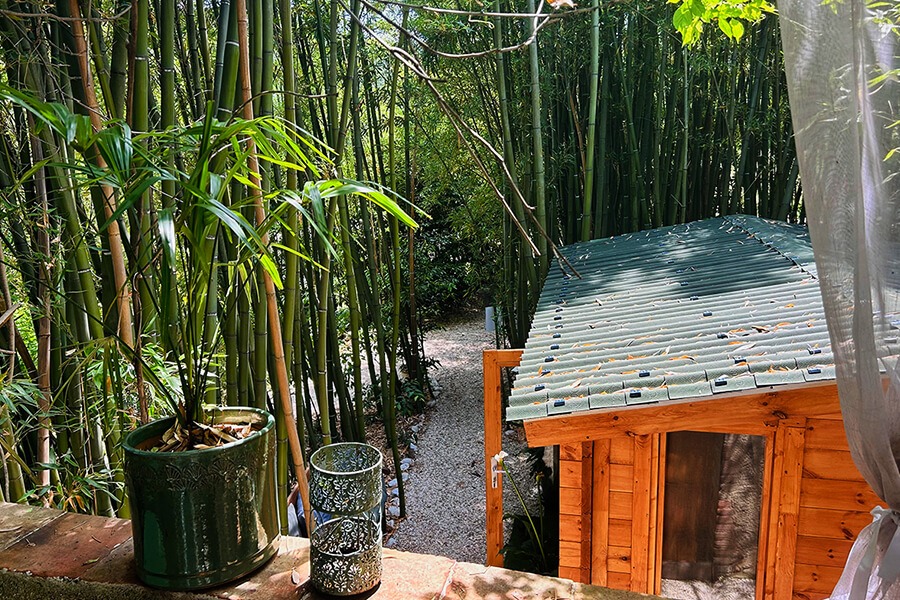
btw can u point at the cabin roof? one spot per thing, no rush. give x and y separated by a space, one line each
687 311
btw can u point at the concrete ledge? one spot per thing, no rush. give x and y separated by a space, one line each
46 553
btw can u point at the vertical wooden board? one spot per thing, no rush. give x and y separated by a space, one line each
764 510
600 523
493 444
657 494
587 478
640 522
791 474
771 502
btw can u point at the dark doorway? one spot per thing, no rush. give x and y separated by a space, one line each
712 498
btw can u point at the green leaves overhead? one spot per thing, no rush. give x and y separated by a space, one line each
729 15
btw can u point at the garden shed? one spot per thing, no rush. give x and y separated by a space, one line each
672 345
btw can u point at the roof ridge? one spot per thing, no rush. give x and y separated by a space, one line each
776 236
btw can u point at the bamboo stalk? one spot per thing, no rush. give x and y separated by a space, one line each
587 217
117 255
274 322
537 142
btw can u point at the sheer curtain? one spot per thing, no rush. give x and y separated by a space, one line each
842 64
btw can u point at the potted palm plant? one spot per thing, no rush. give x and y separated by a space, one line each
200 481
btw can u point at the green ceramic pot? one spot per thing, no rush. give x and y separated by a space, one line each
204 517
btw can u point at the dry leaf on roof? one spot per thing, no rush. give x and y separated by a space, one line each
761 328
684 357
790 305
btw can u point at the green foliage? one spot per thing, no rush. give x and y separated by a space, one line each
730 16
530 543
411 399
76 490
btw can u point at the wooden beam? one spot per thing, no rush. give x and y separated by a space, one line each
789 445
755 412
657 502
641 514
765 506
600 514
493 361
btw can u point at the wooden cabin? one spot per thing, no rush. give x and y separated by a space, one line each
669 340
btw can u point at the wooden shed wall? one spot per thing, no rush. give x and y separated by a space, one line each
834 506
815 502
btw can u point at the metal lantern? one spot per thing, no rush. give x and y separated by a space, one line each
345 492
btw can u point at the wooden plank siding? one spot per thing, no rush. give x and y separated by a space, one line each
612 487
576 467
612 508
834 506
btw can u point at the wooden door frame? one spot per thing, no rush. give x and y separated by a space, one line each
493 361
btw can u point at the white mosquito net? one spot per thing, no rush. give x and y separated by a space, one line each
842 64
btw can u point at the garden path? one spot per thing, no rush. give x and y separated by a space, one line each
445 490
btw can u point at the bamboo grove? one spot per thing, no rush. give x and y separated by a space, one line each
608 125
79 275
509 128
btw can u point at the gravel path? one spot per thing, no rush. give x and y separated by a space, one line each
445 490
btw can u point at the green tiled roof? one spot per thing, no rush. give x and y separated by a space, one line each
688 311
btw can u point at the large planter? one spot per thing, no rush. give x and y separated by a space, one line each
202 518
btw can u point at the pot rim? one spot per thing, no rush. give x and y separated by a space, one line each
269 423
372 467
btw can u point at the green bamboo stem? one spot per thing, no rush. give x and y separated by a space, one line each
347 421
587 217
321 347
353 302
537 143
